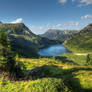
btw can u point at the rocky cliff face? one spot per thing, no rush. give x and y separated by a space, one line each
59 35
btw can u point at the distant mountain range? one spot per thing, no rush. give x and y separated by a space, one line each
23 41
58 35
82 41
26 44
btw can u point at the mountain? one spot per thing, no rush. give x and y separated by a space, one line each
58 35
23 41
82 41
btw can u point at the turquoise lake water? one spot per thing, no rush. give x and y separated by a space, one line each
54 50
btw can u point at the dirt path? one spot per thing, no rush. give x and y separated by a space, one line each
81 54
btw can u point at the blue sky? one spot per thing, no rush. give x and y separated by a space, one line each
40 15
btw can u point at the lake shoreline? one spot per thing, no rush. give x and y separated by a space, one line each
53 50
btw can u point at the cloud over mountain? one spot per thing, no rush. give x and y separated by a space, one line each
72 24
19 20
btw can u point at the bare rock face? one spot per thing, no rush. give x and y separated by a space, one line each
58 35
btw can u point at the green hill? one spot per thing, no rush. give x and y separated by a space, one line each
82 41
23 41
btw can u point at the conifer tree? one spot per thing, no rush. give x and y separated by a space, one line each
8 62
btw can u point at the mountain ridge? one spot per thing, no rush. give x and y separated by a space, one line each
59 35
82 41
23 41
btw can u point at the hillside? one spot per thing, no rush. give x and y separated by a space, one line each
23 41
55 75
58 35
82 41
65 73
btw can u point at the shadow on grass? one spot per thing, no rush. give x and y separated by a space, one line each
52 71
64 59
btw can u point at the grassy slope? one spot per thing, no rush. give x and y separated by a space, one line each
23 41
55 76
76 59
66 73
82 41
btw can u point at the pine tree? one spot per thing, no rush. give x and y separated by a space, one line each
4 49
8 62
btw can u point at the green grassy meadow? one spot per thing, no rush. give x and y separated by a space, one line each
55 76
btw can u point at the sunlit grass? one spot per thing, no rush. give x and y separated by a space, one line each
55 76
79 59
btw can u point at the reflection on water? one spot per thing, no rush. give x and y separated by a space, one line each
54 50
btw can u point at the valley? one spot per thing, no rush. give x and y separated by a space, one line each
45 45
48 65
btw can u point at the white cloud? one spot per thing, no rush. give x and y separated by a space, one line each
48 25
81 2
41 29
37 29
72 24
19 20
72 0
86 2
86 17
58 26
62 1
